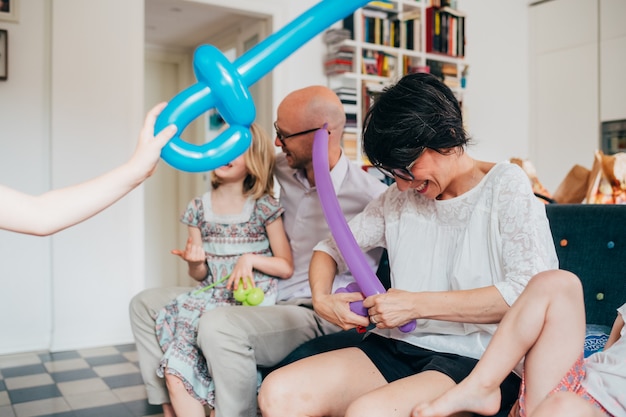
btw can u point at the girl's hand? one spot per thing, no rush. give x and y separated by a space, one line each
193 254
242 271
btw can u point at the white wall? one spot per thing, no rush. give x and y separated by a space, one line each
564 103
25 262
577 81
612 60
71 109
496 97
166 194
97 110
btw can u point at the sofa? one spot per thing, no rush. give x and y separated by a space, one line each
590 241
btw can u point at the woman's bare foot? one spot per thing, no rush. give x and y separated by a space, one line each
463 397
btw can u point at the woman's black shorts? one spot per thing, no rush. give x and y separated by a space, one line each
396 359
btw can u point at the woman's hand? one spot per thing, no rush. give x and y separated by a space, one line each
336 309
391 309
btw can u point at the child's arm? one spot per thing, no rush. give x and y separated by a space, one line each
194 255
279 265
56 210
615 331
282 264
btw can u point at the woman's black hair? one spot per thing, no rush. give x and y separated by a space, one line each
418 112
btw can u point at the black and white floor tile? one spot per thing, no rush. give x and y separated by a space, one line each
82 383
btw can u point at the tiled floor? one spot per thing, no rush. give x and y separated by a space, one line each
84 383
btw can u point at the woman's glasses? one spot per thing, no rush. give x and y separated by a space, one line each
402 173
282 137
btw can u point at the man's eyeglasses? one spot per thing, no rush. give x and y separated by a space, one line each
402 173
282 137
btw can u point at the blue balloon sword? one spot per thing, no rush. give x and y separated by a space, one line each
224 86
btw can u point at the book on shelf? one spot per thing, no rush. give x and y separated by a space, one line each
451 11
365 12
340 47
449 74
336 67
378 63
443 3
380 26
349 107
411 65
411 31
348 24
349 145
443 69
451 81
395 35
339 60
374 88
373 21
370 64
382 5
345 90
449 69
460 37
347 98
336 35
351 120
370 92
445 31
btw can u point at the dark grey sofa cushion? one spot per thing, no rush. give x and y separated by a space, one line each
590 241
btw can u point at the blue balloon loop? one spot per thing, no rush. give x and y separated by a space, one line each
233 101
224 86
230 144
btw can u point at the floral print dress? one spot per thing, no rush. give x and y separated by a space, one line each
225 238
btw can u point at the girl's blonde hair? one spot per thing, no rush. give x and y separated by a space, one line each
260 159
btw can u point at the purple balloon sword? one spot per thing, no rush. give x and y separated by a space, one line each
367 281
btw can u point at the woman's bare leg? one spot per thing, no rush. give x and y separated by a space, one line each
320 385
547 324
182 402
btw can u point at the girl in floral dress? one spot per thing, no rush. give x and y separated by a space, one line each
236 237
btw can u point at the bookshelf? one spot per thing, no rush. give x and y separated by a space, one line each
385 40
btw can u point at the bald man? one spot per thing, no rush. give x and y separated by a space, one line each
235 340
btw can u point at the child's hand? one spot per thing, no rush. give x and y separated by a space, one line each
242 271
193 254
148 150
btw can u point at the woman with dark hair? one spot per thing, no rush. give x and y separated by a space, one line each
464 237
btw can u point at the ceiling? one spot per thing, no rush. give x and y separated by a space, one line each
184 24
